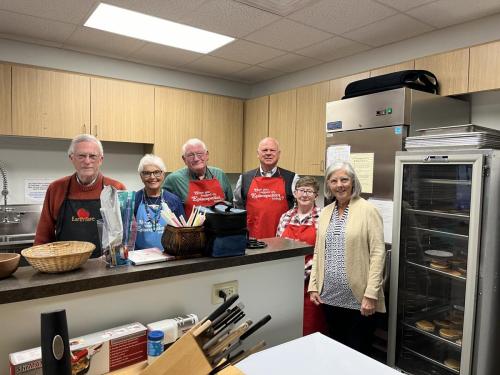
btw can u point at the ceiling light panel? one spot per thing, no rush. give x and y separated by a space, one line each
153 29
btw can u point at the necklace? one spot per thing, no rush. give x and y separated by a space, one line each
152 206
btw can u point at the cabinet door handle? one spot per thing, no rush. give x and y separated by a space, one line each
322 166
84 128
95 130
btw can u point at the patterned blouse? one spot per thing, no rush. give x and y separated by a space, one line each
336 290
292 217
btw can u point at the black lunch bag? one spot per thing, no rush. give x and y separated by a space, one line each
226 231
422 80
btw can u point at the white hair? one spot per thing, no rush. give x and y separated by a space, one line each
84 138
346 166
267 139
150 159
193 142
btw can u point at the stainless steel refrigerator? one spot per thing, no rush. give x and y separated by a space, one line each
444 299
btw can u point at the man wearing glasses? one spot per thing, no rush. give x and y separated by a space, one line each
72 204
197 184
265 192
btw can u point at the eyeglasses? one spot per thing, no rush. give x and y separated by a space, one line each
192 155
156 173
82 157
305 191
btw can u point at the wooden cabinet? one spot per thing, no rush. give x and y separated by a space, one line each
178 117
282 120
338 85
5 99
407 65
451 70
222 131
484 67
122 111
49 104
256 127
310 129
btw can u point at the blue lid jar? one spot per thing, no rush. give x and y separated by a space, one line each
155 345
155 335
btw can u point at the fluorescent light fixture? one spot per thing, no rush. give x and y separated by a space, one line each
153 29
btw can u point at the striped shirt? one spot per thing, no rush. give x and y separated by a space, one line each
292 217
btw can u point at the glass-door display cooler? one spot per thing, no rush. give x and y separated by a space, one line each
444 315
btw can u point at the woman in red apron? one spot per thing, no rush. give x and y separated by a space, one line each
300 223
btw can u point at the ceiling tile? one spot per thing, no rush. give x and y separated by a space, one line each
247 52
102 42
229 18
34 27
215 65
172 10
389 30
256 74
334 48
340 16
403 5
290 63
69 11
450 12
288 35
163 55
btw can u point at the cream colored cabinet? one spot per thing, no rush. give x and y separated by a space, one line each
310 129
5 99
178 117
407 65
222 131
484 67
49 104
122 111
282 120
255 128
451 70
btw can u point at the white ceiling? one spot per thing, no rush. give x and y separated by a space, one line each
293 35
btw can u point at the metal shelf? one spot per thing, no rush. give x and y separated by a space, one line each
446 181
443 214
431 360
439 272
441 233
432 335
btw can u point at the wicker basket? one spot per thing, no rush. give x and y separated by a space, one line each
58 256
183 241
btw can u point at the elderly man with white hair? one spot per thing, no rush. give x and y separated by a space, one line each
198 184
72 204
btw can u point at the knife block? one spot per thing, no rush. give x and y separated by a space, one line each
185 356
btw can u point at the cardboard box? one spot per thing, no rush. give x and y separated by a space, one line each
94 354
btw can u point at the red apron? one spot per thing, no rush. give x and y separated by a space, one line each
314 319
203 193
266 202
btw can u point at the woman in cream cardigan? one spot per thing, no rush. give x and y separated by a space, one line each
348 263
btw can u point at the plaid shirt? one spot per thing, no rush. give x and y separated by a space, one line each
292 217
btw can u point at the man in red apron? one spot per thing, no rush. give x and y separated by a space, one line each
72 204
197 184
265 192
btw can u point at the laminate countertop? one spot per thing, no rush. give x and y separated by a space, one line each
27 283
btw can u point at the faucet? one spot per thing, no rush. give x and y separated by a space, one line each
5 192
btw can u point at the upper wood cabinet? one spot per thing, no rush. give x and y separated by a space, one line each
122 111
256 127
451 70
49 104
222 131
282 120
5 99
407 65
178 117
484 67
310 129
338 85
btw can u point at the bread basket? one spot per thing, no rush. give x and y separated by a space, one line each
183 241
59 256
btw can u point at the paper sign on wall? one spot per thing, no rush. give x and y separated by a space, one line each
337 153
34 189
363 165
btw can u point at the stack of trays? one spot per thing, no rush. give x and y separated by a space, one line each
454 137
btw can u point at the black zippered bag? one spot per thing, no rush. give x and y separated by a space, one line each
422 80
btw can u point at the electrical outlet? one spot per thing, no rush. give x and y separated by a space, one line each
229 287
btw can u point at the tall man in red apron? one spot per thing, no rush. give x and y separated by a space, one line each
197 184
265 192
72 204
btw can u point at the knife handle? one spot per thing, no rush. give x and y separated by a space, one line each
256 326
252 350
233 335
223 307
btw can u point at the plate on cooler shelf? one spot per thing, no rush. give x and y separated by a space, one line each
439 253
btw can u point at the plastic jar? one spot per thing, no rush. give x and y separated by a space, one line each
155 345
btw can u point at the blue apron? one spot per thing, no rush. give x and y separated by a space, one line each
150 226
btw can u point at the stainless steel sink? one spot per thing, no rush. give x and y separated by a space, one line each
18 223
